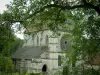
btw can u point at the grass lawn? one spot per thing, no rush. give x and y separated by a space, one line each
3 73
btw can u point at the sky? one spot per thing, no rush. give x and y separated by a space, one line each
2 5
2 8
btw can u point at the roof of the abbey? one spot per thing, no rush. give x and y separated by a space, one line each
29 52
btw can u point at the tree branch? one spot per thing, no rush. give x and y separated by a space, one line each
53 5
12 21
63 7
58 14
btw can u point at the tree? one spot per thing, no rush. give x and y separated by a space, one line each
8 43
85 35
26 12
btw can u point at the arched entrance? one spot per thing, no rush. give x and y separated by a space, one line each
44 68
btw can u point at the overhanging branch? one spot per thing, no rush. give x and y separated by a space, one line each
11 21
53 5
58 14
85 5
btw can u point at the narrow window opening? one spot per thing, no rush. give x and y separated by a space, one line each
65 42
59 60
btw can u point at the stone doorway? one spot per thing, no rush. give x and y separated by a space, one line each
44 68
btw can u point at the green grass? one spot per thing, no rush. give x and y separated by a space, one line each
3 73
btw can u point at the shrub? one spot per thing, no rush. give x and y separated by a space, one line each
65 70
35 74
6 64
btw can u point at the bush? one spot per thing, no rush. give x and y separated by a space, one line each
34 73
65 70
92 72
6 64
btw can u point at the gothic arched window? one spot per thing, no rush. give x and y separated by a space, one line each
37 40
47 40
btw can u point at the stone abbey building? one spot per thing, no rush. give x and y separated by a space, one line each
41 52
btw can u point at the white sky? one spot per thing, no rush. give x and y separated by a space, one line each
2 8
2 5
